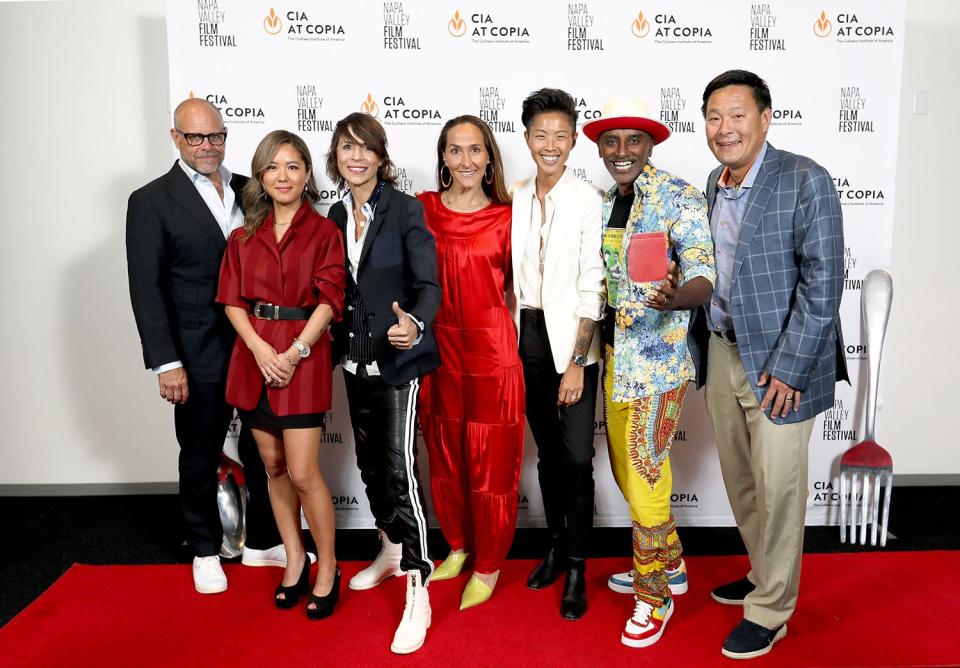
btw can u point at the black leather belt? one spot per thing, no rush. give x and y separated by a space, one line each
729 336
273 312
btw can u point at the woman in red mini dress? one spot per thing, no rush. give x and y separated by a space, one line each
282 282
471 408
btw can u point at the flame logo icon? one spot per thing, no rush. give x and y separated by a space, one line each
191 95
640 26
369 106
822 26
457 26
271 23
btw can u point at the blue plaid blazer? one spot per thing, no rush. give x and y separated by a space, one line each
787 283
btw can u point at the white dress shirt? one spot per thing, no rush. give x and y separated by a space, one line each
226 211
531 265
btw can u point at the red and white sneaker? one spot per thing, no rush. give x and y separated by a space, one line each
646 625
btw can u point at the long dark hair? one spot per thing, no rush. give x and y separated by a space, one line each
497 189
368 130
256 202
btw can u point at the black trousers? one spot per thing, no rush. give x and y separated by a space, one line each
201 426
564 437
384 430
261 526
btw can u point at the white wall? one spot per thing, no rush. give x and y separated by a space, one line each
919 417
83 122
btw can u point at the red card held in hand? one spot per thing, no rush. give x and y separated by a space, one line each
647 257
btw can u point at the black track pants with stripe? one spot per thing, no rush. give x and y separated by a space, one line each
384 430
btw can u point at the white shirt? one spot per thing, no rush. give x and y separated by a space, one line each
531 265
225 211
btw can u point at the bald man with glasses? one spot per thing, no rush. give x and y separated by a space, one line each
177 229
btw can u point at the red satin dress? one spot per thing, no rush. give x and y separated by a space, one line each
472 406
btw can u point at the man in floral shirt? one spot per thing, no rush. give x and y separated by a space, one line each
646 361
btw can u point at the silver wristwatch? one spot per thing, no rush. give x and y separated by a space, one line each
579 360
302 348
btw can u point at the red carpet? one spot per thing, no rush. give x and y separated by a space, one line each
855 609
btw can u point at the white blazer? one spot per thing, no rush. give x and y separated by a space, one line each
573 276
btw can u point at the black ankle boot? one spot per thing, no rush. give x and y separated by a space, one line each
573 605
548 570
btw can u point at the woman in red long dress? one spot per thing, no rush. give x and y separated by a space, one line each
282 282
472 406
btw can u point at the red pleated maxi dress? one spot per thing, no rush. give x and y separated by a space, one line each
472 406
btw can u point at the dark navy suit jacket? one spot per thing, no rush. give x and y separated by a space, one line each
398 263
174 249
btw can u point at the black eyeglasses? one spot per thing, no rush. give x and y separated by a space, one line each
196 138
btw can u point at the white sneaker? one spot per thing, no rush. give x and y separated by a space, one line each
274 556
679 583
385 565
622 583
416 617
208 576
646 624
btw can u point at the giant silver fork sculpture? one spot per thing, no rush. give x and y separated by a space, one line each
866 467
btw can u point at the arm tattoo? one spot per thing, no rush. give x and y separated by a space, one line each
584 336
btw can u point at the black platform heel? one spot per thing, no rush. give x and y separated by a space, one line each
324 604
292 594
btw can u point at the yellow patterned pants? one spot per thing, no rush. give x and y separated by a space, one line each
639 436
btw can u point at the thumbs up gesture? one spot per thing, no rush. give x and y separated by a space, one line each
405 332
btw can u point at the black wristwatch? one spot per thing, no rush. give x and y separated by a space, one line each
579 360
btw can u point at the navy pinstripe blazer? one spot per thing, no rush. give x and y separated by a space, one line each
787 283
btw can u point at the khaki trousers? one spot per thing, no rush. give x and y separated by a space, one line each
764 468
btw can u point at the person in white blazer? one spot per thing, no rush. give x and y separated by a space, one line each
558 293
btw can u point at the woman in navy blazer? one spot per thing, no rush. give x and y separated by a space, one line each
385 345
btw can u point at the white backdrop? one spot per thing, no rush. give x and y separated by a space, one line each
834 73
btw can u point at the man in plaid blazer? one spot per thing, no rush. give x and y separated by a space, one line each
771 335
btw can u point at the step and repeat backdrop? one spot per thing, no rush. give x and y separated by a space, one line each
833 68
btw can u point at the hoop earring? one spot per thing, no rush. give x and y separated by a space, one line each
488 178
263 195
446 184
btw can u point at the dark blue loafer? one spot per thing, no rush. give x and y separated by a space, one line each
749 640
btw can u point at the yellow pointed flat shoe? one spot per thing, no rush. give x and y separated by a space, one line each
475 593
451 566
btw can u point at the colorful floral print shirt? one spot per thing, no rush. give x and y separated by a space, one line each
650 347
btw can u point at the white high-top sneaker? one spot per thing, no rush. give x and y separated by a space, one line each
386 564
416 617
